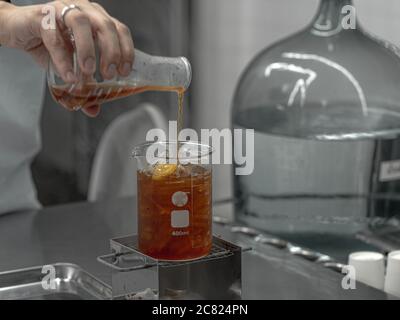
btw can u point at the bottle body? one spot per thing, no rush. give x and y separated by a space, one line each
149 73
324 106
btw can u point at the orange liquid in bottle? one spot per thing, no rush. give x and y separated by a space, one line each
90 94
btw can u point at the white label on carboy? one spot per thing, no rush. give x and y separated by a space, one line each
390 170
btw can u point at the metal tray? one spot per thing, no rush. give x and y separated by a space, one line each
71 283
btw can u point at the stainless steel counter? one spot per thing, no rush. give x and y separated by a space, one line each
78 233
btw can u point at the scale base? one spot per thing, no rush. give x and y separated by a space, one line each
138 276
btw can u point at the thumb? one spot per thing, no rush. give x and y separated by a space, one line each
40 55
92 111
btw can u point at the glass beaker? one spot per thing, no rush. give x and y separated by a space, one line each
149 73
174 200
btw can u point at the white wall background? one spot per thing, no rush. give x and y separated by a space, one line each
228 33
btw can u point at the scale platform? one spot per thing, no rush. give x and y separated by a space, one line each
138 276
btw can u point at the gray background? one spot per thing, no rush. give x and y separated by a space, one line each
220 37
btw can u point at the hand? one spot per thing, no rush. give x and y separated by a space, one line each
21 27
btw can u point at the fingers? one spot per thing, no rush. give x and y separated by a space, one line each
109 46
114 39
59 53
125 42
127 48
78 22
89 23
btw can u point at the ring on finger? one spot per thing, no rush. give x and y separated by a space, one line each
67 9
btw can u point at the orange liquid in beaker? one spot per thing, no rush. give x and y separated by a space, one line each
172 226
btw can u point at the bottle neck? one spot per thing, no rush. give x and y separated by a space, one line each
160 73
331 15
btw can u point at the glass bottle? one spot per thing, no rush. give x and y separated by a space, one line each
324 104
149 73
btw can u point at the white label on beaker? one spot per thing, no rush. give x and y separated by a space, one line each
390 170
180 199
180 218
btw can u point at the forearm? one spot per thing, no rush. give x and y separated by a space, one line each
5 8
